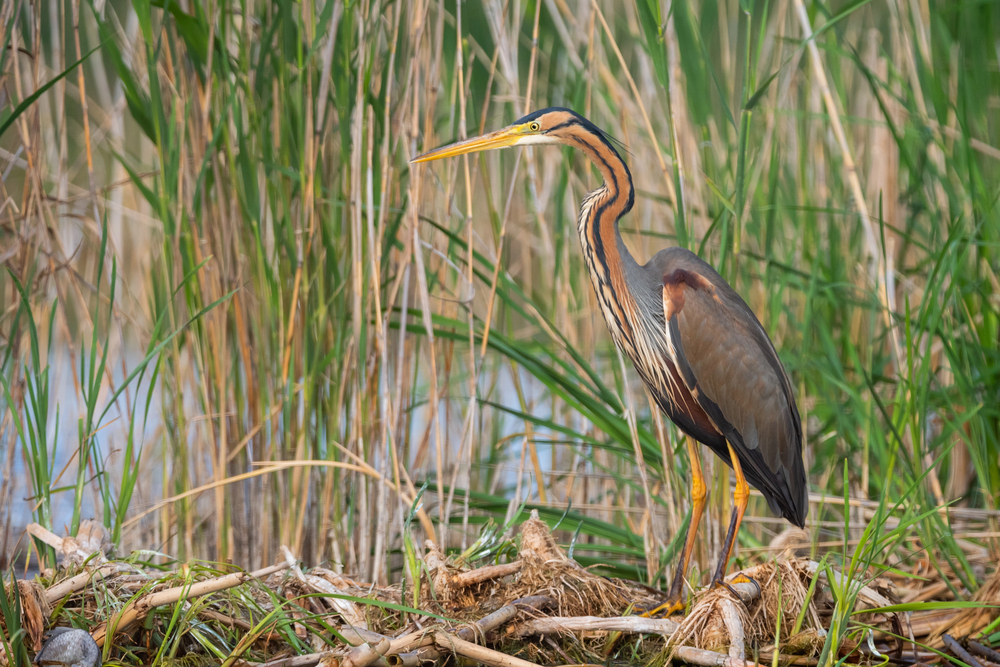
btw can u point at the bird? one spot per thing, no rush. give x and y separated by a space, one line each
69 647
698 347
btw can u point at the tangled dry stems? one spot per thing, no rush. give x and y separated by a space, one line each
543 606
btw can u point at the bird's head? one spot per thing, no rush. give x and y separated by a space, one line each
554 125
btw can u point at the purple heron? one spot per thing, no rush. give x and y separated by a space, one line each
696 344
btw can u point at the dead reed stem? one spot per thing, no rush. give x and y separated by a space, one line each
876 254
137 610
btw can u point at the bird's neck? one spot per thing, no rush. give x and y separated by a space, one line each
602 209
608 259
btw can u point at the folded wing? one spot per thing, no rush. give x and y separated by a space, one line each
730 366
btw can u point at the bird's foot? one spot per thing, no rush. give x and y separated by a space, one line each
669 608
740 580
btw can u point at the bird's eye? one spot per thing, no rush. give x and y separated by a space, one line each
534 127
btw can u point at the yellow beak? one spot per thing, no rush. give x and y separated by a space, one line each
499 139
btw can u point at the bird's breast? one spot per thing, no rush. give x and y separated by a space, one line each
647 346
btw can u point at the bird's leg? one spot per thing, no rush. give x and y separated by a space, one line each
675 597
741 496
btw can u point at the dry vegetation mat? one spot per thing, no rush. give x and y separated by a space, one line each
539 607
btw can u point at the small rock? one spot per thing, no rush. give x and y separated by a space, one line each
69 647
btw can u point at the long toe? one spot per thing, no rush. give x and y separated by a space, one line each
741 586
668 608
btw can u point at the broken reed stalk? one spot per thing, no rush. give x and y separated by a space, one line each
75 583
734 626
348 611
138 609
960 652
705 658
358 636
568 624
503 615
411 649
213 615
746 591
481 574
367 654
488 623
876 253
869 595
380 650
984 652
307 660
449 643
641 625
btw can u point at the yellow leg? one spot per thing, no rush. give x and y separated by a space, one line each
675 597
741 496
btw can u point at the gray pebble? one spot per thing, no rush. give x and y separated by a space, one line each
69 647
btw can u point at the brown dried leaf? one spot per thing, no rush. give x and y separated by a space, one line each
34 612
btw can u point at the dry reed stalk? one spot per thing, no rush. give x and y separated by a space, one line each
451 644
968 621
671 193
358 636
527 446
463 134
365 642
415 252
138 609
307 660
732 619
361 545
985 652
868 595
381 446
502 55
570 624
225 619
650 540
347 609
436 392
388 414
401 284
499 257
875 252
367 654
529 438
85 115
481 574
478 629
266 468
700 656
57 592
959 652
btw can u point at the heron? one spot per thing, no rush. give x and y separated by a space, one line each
704 356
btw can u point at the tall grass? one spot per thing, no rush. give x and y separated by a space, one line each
285 288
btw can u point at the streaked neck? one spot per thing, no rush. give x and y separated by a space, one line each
607 257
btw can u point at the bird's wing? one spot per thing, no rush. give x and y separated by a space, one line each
729 365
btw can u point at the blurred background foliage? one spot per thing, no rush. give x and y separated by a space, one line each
232 316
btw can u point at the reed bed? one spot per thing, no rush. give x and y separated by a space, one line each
536 606
234 318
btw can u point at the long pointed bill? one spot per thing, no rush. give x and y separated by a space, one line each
499 139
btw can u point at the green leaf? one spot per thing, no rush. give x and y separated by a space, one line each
30 99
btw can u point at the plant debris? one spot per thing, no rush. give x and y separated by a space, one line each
538 608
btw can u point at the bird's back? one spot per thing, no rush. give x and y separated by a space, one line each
730 367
